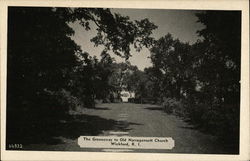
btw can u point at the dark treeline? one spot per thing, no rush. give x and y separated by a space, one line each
201 82
49 75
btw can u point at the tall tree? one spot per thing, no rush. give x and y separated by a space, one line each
114 31
40 55
172 59
221 56
219 69
45 64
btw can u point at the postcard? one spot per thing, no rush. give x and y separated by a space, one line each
124 80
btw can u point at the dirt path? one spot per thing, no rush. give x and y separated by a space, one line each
142 120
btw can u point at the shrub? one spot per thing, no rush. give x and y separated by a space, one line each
132 100
170 104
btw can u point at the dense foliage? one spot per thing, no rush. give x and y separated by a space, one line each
203 77
48 73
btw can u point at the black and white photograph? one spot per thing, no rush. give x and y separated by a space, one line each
123 80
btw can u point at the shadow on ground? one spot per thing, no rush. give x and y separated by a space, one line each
154 108
71 128
101 108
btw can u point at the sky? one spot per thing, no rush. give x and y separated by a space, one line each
181 24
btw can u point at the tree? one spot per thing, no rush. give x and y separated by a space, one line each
221 56
45 64
206 73
104 71
155 77
40 55
219 70
172 61
41 36
115 32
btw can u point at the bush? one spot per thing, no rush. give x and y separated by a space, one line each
170 105
144 100
228 123
179 109
132 100
195 112
220 120
117 100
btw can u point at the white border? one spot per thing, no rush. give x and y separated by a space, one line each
242 5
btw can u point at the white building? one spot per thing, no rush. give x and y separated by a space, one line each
125 95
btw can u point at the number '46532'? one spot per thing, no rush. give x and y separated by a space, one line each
15 146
